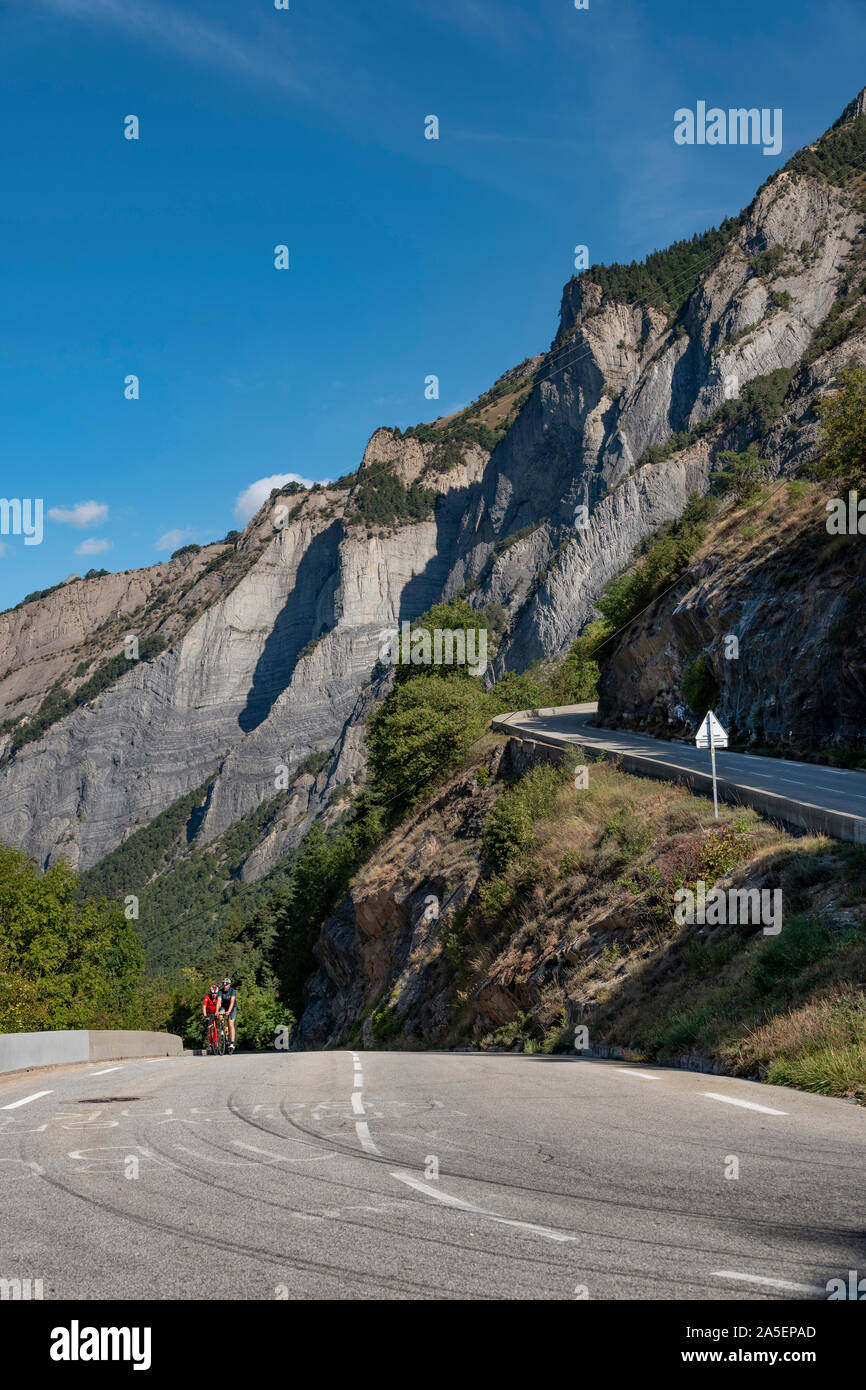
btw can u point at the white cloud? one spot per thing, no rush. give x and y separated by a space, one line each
81 515
171 540
253 496
92 546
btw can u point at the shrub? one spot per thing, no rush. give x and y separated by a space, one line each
382 498
64 963
843 430
630 832
421 730
741 474
780 960
511 821
313 764
667 554
699 685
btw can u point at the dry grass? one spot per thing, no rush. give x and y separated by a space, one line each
576 934
819 1046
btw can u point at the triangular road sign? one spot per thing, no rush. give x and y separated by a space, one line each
711 734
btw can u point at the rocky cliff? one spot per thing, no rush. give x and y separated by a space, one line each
269 655
771 607
432 948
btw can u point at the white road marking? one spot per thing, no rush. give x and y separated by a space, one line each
647 1076
458 1202
359 1080
363 1133
106 1071
357 1103
746 1104
13 1105
770 1283
355 1057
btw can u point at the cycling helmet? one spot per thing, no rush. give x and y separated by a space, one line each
226 982
213 990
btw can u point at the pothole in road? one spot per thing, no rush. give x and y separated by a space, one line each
109 1100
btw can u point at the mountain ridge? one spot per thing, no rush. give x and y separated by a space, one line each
271 655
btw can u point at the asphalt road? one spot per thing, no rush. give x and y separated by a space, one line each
312 1175
810 784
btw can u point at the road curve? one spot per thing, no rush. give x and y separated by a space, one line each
424 1176
804 794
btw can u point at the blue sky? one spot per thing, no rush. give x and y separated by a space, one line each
305 127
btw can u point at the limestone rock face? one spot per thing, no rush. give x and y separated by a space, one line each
792 598
620 379
272 643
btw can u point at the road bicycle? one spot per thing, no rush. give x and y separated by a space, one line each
217 1036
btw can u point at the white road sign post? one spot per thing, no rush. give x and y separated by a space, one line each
711 735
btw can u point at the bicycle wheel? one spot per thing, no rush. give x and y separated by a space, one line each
221 1038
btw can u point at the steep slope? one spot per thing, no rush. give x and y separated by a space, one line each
791 595
571 922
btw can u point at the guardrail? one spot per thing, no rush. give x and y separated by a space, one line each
22 1051
839 825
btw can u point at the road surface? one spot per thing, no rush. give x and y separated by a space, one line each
809 785
314 1175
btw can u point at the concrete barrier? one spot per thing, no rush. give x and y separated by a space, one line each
21 1051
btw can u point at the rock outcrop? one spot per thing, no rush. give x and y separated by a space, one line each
271 656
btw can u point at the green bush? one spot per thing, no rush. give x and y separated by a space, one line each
667 555
457 616
684 1029
741 474
631 833
382 498
510 823
420 731
63 963
699 685
843 430
780 960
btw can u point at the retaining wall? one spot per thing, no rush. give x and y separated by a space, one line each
21 1051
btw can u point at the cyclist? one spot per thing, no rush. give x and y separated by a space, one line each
210 1006
229 1002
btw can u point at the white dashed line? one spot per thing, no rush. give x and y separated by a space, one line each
647 1076
458 1202
26 1100
106 1071
357 1103
746 1104
769 1283
359 1080
363 1133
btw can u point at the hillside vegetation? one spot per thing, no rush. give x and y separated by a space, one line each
570 920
